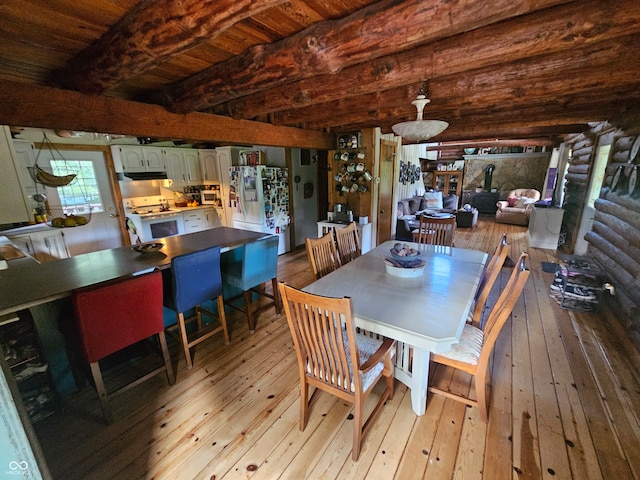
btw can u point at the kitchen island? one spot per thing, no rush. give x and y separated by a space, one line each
27 283
43 288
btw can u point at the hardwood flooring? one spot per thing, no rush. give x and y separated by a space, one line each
565 404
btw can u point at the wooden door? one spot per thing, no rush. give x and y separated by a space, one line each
385 190
95 185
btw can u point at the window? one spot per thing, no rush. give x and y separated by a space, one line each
82 195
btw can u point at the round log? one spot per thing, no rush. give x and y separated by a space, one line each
623 207
579 168
608 228
624 283
616 262
577 178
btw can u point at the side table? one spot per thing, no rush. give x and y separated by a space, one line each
467 218
364 232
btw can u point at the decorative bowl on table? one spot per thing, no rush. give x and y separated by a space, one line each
148 247
405 261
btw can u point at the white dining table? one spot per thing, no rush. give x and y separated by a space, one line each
425 313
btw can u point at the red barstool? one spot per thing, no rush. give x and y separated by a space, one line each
114 315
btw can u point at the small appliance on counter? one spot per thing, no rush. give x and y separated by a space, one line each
211 195
341 214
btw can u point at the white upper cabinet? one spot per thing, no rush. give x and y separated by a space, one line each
210 165
183 164
136 158
12 192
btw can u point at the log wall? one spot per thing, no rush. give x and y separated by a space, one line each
614 240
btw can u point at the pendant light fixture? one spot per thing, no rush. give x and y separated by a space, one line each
420 130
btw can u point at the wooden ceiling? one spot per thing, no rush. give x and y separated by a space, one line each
504 69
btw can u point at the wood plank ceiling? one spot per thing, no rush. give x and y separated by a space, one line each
503 69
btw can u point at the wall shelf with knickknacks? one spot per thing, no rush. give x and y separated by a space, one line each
351 172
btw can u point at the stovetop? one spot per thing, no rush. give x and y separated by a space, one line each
150 205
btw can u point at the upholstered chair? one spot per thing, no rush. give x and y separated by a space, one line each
516 209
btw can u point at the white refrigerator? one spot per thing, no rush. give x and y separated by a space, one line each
259 201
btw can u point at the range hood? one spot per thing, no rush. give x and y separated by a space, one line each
142 176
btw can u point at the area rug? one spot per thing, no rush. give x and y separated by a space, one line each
549 267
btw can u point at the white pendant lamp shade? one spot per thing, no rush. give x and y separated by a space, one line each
419 129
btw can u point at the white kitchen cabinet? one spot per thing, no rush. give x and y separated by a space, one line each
200 219
12 189
25 158
194 221
43 245
210 166
211 218
183 164
138 159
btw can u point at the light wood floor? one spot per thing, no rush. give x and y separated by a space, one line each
565 405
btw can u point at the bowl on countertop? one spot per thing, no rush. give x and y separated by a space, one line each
147 247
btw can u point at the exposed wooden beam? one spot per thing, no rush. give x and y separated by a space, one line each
328 47
566 78
517 142
151 33
566 27
45 107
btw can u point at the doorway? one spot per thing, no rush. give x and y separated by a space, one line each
91 188
385 190
596 179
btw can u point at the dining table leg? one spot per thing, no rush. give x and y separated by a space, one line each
419 380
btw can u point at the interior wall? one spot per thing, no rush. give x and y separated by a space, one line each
306 209
614 240
516 170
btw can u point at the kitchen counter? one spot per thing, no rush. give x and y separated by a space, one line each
38 227
27 283
199 207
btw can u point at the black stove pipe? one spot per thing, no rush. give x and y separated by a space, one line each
488 175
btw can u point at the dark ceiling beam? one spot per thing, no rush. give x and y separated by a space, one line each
44 107
561 79
327 47
149 34
566 27
481 132
516 142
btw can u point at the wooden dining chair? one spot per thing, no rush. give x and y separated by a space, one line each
348 243
334 358
473 353
322 254
195 279
114 315
435 231
489 277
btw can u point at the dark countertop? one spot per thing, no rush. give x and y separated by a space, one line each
27 283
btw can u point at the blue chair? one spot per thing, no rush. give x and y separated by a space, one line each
194 279
259 264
